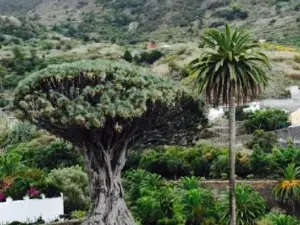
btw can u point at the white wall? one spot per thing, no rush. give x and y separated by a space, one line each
295 92
31 209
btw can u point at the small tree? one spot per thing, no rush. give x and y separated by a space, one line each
107 108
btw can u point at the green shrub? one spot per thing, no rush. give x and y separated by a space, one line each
243 164
220 168
47 45
280 219
20 132
169 163
78 214
148 57
11 81
260 163
127 56
133 160
56 154
268 120
3 101
264 140
73 183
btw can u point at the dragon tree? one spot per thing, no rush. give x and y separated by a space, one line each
107 108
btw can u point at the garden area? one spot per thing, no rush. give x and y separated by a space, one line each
163 185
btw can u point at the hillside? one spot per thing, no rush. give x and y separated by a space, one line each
139 20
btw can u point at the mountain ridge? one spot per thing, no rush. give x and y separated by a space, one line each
275 20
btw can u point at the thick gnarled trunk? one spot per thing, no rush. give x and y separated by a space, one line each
108 206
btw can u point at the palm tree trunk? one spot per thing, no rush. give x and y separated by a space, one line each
232 142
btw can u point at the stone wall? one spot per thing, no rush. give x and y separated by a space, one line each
263 187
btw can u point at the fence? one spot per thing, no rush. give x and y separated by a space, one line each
29 210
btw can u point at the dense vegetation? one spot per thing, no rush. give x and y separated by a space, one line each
166 178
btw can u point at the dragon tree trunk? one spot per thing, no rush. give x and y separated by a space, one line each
108 206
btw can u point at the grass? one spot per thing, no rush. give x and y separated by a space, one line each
279 47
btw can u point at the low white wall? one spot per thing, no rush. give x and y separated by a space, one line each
29 210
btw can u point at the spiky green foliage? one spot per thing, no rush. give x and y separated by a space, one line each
105 95
250 206
229 64
189 183
199 206
276 218
288 189
10 165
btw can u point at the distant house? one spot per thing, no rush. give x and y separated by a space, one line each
295 118
262 41
152 45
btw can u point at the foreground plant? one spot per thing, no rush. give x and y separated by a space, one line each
250 206
107 108
288 189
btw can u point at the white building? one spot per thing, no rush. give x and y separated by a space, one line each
252 107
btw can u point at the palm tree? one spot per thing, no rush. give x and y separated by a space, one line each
230 71
288 189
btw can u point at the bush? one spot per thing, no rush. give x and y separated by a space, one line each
250 206
220 168
73 183
148 57
133 160
56 154
169 163
268 120
78 214
3 102
11 81
20 132
275 218
127 56
264 140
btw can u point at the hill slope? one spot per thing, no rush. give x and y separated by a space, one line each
277 20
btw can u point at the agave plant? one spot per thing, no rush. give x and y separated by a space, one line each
250 206
288 189
199 206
